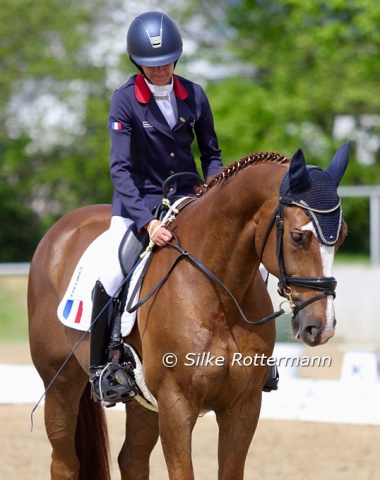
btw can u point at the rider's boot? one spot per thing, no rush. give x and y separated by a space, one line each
111 383
272 380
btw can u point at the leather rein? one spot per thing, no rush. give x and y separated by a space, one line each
183 254
326 285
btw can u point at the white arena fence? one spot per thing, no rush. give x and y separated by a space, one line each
354 399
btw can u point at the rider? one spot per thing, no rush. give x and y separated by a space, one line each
153 120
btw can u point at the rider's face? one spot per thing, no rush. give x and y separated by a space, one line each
159 76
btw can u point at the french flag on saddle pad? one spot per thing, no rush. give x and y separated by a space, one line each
116 126
73 311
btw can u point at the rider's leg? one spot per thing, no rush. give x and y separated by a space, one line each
111 380
110 383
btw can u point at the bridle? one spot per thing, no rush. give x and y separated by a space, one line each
326 285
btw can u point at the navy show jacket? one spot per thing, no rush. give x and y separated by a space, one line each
145 151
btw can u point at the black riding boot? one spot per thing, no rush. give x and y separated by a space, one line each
272 380
111 382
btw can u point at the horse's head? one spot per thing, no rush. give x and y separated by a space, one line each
309 230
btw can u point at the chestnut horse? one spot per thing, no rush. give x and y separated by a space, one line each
236 221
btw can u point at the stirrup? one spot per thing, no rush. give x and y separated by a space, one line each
111 384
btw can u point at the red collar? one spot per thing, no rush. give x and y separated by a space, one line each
143 93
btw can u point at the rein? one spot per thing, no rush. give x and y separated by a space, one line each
326 285
183 254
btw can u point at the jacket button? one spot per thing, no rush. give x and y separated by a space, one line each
172 154
171 189
183 120
171 172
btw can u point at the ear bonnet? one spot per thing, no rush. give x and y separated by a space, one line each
315 191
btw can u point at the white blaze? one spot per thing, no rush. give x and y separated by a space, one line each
327 257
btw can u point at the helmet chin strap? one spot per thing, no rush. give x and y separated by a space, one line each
137 65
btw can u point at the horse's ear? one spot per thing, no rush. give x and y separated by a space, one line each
299 179
339 163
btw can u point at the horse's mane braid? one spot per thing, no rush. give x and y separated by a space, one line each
236 167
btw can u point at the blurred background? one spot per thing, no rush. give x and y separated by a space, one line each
280 74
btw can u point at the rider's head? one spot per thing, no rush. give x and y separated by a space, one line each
153 40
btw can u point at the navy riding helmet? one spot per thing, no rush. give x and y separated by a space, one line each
153 40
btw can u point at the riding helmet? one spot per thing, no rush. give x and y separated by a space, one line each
153 40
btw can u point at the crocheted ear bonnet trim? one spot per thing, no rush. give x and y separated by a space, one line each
321 202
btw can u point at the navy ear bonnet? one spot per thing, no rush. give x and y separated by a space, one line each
315 191
321 202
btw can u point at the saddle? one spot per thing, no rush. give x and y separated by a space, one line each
131 247
134 242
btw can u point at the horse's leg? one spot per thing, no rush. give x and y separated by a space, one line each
140 438
177 418
61 413
49 349
74 424
236 429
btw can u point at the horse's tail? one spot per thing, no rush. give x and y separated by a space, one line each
91 440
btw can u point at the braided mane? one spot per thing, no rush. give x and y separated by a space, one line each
236 167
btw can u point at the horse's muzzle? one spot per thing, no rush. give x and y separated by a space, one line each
311 330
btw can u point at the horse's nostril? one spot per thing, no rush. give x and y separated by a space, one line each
312 335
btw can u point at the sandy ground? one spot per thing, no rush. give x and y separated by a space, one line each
281 450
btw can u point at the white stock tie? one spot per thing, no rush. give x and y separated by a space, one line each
164 96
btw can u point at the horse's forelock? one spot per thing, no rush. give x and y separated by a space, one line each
236 167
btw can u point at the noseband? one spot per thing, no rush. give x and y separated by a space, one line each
326 285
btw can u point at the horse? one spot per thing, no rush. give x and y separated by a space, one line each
214 304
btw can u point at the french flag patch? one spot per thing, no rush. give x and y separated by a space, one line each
73 310
116 126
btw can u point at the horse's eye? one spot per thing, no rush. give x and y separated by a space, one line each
297 237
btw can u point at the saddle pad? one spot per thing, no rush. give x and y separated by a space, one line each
145 399
70 310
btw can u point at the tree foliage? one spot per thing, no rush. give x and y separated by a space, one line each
49 163
309 63
315 61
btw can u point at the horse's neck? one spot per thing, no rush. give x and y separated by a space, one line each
241 197
229 215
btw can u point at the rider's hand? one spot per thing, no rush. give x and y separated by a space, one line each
158 234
